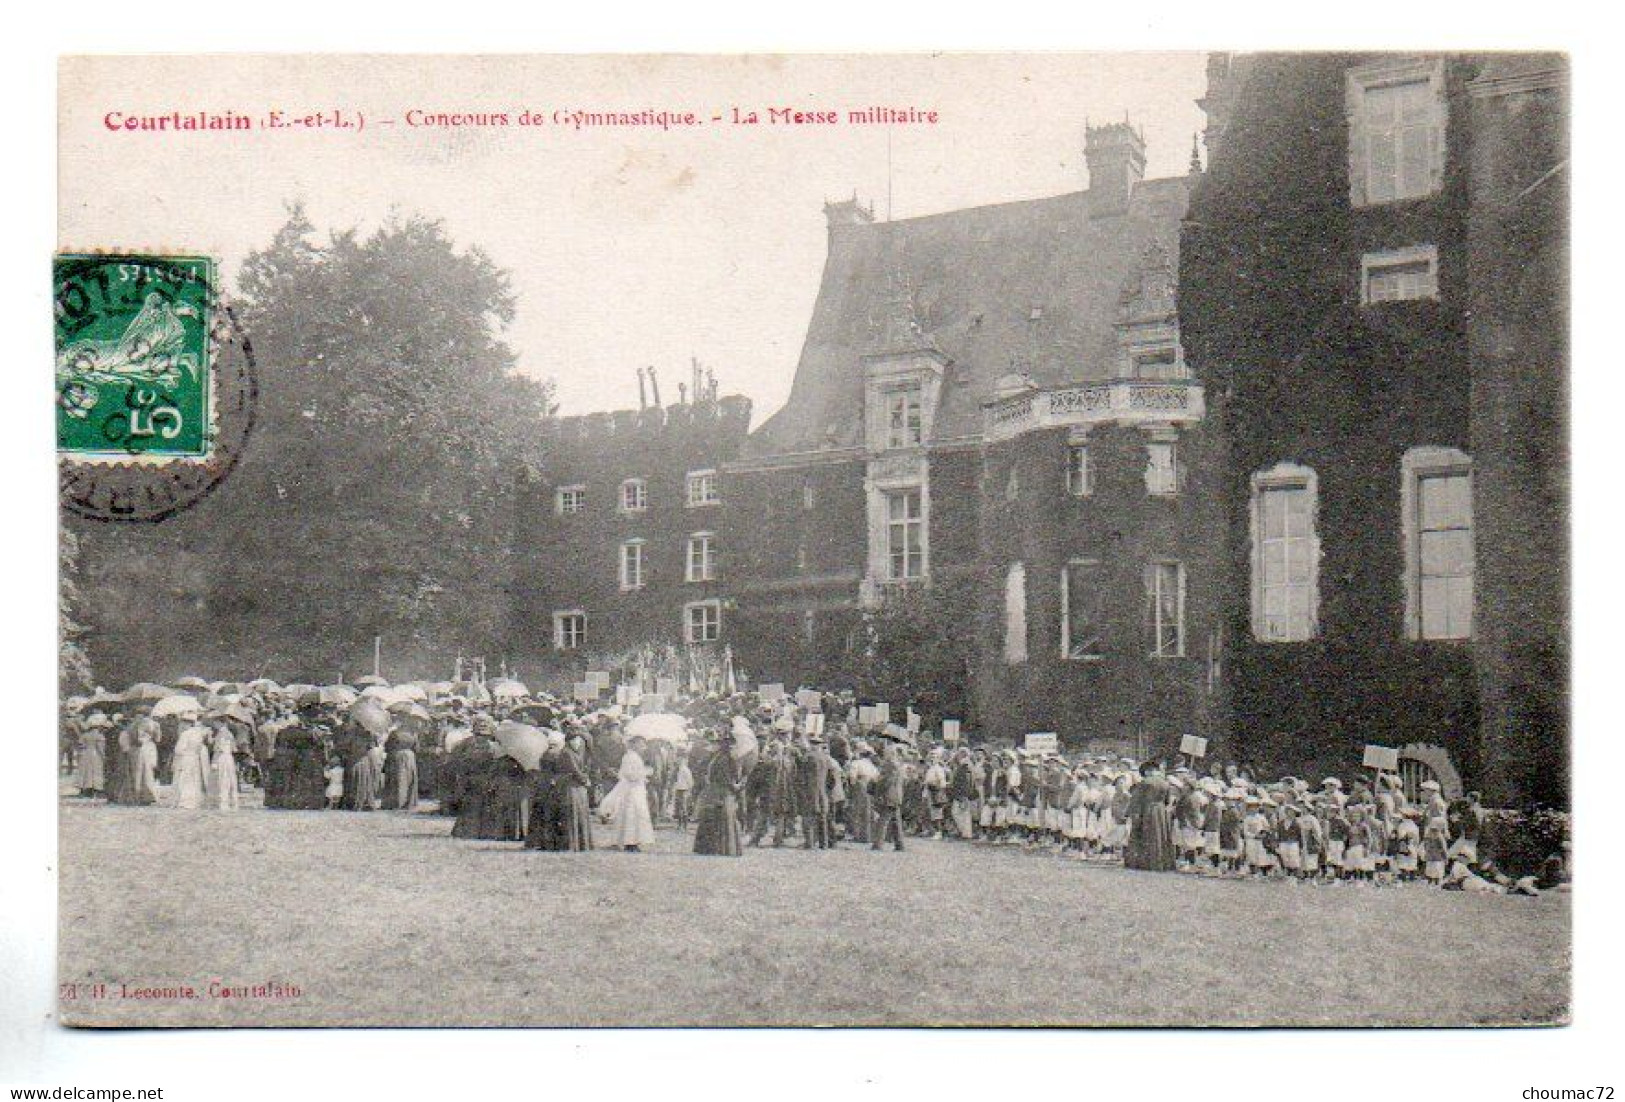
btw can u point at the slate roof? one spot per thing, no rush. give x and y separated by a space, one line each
975 278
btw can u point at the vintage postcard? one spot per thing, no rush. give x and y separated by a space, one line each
873 540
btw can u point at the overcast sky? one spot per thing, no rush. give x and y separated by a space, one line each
627 247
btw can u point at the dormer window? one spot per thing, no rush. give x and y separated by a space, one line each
903 417
1396 111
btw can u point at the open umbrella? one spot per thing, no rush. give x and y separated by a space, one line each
381 693
745 744
226 688
371 716
472 690
439 688
143 691
522 742
411 690
507 689
370 679
102 696
190 682
298 689
660 726
412 709
339 694
264 685
234 711
177 705
457 736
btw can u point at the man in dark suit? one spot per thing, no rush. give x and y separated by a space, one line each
812 791
888 801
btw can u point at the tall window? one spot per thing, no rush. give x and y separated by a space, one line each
1161 467
1015 614
1079 478
903 424
1165 609
1438 501
1396 140
570 499
702 488
1082 610
569 629
701 564
634 496
632 564
905 547
702 621
1286 555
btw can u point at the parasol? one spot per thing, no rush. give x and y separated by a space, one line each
507 689
145 691
411 690
412 709
264 685
455 736
236 712
190 682
102 696
745 744
339 694
522 742
661 727
370 680
177 705
371 717
381 693
225 688
472 690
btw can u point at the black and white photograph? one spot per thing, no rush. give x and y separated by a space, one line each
797 520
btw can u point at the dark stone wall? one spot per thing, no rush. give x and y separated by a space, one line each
1127 700
1298 370
572 561
1518 339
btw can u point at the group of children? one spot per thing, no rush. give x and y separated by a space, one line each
1226 825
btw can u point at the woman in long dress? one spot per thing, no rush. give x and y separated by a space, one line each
225 768
1150 824
575 808
476 763
190 768
716 832
626 808
93 757
144 764
861 776
401 771
365 778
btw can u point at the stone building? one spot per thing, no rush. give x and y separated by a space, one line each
1373 291
994 402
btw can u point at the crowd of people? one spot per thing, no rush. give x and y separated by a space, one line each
743 771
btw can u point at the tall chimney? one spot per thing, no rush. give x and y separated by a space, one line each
1116 157
847 212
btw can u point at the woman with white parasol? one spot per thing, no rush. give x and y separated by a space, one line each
191 770
626 808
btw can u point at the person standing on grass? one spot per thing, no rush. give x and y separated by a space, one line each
812 791
1150 826
190 767
716 831
888 801
91 762
626 807
225 767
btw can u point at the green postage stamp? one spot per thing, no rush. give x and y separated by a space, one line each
133 367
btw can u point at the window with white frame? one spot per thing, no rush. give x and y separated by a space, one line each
1161 467
1399 275
702 621
634 496
1437 501
1396 130
632 564
1015 614
702 488
570 499
569 629
1079 476
1165 609
809 494
1286 555
701 560
1082 610
905 531
903 416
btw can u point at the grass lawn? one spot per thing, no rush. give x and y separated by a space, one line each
384 919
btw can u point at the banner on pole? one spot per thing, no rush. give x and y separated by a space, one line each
950 732
586 691
811 699
599 678
771 693
913 722
882 713
1193 745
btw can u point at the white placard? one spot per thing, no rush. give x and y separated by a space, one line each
950 732
882 713
913 722
1384 758
811 699
771 693
666 686
1044 742
586 691
1193 745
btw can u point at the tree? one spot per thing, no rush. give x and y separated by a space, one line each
375 494
72 663
912 648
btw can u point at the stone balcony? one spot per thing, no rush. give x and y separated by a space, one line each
1128 401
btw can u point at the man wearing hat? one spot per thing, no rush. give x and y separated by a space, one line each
812 770
888 800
